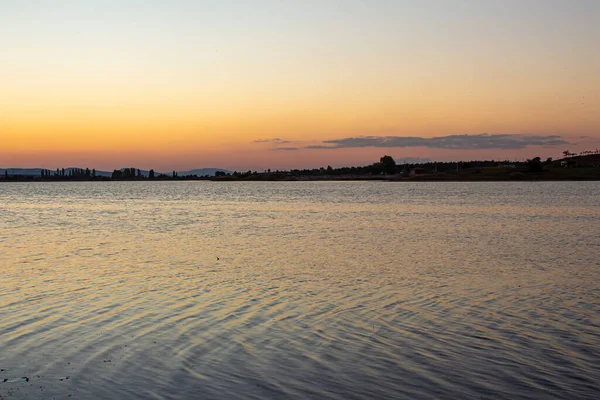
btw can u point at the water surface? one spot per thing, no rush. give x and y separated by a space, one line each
351 290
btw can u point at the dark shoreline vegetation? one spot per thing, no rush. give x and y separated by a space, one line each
585 166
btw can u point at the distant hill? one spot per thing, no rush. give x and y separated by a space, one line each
21 171
38 171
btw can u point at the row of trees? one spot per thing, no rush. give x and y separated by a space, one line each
117 174
128 173
386 166
567 153
133 173
72 172
136 174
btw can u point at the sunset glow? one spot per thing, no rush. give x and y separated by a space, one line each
180 85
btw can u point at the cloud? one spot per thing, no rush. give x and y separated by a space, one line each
266 140
275 140
285 148
454 142
412 160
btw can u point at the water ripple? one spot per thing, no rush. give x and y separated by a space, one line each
300 290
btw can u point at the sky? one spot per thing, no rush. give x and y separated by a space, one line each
175 85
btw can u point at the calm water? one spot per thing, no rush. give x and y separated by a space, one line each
354 290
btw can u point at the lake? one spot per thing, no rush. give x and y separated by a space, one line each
321 290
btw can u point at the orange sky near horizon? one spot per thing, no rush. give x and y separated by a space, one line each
195 85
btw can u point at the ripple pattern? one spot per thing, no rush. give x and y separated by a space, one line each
352 290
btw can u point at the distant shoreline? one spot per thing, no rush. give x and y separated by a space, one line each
394 178
578 168
488 174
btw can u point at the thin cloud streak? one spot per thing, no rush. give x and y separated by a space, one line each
275 140
452 142
412 160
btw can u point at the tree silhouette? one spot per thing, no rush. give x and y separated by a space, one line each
535 165
388 164
151 174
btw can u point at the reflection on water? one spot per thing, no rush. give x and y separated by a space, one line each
353 290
